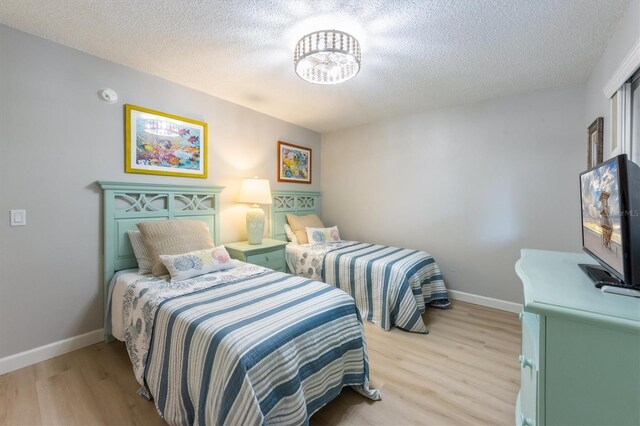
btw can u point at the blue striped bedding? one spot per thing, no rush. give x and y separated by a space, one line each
253 347
391 286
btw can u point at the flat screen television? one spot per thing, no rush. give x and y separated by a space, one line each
610 221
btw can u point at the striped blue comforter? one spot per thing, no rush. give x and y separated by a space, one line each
391 286
265 349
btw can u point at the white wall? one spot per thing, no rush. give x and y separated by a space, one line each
626 35
472 184
58 139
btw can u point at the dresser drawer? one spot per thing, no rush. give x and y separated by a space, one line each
275 257
529 369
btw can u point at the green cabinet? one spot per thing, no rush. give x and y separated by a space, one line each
269 254
580 361
529 368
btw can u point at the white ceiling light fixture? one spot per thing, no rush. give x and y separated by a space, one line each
327 57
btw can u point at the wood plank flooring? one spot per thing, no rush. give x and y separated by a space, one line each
464 372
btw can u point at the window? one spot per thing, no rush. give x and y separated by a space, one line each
625 123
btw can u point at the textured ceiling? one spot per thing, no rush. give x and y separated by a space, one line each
416 55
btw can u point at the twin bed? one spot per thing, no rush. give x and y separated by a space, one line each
391 286
246 345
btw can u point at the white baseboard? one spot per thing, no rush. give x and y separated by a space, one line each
43 353
489 302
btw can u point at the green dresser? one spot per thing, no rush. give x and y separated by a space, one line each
580 362
269 254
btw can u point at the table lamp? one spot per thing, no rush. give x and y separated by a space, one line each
255 191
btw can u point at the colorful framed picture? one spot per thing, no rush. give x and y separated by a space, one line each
163 144
294 163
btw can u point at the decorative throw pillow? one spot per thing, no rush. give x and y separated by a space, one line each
323 235
290 235
173 237
199 262
300 223
140 251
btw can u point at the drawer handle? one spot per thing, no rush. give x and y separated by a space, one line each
526 362
520 315
525 421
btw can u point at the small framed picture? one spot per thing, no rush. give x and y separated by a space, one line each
594 143
157 143
294 163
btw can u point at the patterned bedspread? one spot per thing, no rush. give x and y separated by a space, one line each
390 285
243 346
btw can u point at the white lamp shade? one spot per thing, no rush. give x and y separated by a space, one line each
255 191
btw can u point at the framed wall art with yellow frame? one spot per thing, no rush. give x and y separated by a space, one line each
157 143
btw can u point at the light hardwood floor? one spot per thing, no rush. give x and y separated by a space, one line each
464 372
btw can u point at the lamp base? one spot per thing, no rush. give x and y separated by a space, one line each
255 224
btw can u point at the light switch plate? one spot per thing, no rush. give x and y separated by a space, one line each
18 217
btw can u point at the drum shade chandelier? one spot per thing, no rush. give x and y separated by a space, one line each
327 57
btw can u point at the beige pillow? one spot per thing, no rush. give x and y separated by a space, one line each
173 237
299 225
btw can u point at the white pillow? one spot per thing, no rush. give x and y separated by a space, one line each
291 236
199 262
140 251
323 235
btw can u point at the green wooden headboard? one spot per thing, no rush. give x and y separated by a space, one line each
294 202
126 204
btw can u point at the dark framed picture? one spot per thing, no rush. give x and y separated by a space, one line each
294 163
594 143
